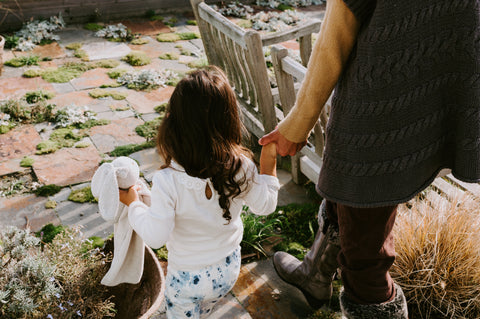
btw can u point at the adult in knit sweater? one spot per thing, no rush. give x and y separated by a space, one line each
406 105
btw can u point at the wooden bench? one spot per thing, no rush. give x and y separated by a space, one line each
240 54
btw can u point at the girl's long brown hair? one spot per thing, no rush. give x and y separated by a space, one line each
203 131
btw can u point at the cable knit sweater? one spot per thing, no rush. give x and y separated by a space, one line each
407 102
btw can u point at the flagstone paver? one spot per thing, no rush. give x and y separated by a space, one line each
18 142
105 50
67 166
117 133
76 98
11 166
146 27
91 79
145 102
18 86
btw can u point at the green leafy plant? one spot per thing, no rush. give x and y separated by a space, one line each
257 229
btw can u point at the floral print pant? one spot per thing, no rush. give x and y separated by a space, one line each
193 294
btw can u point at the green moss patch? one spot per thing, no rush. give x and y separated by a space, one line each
48 190
198 63
81 54
60 75
74 46
162 253
37 96
83 195
192 22
93 27
23 60
107 64
101 93
161 109
20 110
244 23
27 162
137 58
139 41
110 85
169 56
113 74
173 37
149 129
82 144
33 73
65 137
126 150
47 147
50 204
48 232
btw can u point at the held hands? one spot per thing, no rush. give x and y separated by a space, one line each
130 195
284 146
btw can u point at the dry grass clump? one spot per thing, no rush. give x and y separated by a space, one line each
438 257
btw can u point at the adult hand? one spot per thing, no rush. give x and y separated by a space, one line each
284 146
130 195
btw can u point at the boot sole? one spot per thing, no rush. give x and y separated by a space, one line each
313 302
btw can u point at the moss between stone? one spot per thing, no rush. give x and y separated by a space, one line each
48 190
126 150
46 147
149 129
137 58
83 195
65 73
100 93
93 27
173 37
26 161
139 41
111 85
33 73
107 64
82 54
169 56
51 204
162 108
191 22
198 63
244 23
23 60
113 74
74 46
39 95
83 144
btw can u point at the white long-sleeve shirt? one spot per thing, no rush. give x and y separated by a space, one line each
192 225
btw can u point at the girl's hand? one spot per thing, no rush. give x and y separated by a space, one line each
268 160
130 195
284 146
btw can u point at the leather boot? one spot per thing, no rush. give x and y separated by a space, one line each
394 309
315 274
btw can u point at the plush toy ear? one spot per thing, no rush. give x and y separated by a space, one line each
105 188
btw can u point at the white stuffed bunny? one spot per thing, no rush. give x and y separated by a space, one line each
129 248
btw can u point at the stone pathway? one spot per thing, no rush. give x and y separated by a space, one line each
259 293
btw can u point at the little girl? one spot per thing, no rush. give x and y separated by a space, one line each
198 194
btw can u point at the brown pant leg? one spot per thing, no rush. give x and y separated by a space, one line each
367 251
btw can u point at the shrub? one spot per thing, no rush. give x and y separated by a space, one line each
438 257
137 58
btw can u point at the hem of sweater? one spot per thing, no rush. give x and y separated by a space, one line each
178 267
394 201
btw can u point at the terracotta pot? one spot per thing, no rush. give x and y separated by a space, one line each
141 300
2 43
